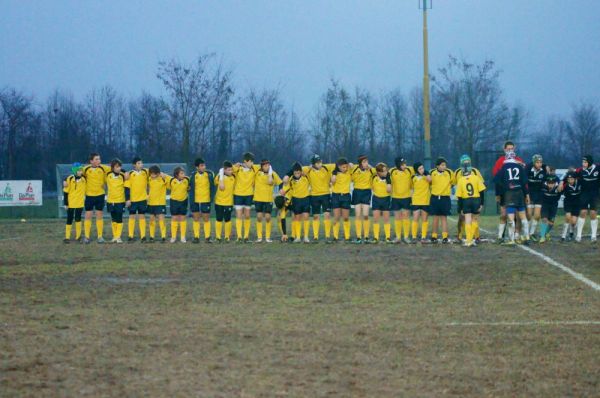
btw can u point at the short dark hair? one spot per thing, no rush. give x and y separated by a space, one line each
227 164
248 156
342 161
177 170
93 155
380 167
136 159
507 143
115 162
198 162
154 169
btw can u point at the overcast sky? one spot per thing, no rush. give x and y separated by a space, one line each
549 50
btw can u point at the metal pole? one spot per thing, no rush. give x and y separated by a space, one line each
426 119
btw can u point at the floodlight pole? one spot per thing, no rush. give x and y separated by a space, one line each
425 4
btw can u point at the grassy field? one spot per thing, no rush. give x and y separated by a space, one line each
293 320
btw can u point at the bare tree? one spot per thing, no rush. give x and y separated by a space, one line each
16 116
583 128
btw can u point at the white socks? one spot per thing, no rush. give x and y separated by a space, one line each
580 223
532 226
501 230
511 230
525 228
565 231
594 224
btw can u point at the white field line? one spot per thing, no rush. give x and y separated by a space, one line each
527 323
15 238
552 262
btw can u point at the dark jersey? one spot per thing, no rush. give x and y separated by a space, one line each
572 192
550 197
511 177
536 178
589 179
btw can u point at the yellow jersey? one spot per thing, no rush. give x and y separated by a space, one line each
116 187
201 185
459 173
244 180
469 186
157 190
342 182
362 178
74 187
138 185
179 188
95 178
380 186
299 187
421 190
441 182
320 180
225 197
263 191
401 182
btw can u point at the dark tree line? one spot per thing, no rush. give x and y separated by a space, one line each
202 114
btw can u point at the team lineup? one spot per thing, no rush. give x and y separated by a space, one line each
402 195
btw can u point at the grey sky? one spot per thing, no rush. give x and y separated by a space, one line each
549 50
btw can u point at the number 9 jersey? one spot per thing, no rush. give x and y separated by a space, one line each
469 186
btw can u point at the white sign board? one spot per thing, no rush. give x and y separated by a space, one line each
21 193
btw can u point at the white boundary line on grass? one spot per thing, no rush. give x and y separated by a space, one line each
15 238
526 323
552 262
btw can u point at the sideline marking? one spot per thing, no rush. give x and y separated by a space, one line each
525 323
550 261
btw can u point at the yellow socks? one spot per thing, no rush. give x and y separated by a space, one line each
196 229
100 226
306 227
358 227
268 229
259 229
131 226
376 228
406 227
398 228
68 231
152 228
246 228
475 229
387 228
113 228
347 229
77 230
218 229
238 227
174 226
118 230
424 226
183 228
163 228
143 227
228 230
206 229
434 235
327 223
444 235
316 224
87 225
469 232
367 228
336 230
415 229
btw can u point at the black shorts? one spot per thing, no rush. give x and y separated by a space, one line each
140 207
94 203
572 207
179 207
361 197
425 208
320 204
535 198
157 210
115 207
469 205
263 207
400 204
340 201
381 204
588 201
200 207
223 213
301 205
440 206
245 201
514 199
549 211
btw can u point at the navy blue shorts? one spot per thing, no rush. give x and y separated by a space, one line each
535 198
340 201
572 207
263 207
320 204
469 205
157 210
200 208
138 207
381 204
440 206
361 197
244 201
549 211
301 205
587 200
115 207
425 208
94 203
400 204
179 207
